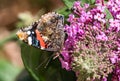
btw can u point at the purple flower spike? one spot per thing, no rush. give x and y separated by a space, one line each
65 64
92 47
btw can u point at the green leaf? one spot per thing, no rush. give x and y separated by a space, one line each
35 61
108 14
24 76
64 11
68 3
91 2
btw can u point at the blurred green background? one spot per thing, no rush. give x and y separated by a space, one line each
13 15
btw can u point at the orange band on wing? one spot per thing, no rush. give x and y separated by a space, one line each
39 37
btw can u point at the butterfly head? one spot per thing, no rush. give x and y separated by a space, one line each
23 34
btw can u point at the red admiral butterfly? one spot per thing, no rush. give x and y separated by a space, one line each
47 33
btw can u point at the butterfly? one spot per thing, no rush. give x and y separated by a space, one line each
46 34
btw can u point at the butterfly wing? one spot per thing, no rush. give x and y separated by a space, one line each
46 34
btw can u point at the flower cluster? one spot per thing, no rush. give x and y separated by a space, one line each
92 47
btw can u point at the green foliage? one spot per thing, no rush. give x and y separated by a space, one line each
24 76
68 3
87 1
35 61
108 16
8 72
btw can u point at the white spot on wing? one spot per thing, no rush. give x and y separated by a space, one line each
32 32
30 40
28 32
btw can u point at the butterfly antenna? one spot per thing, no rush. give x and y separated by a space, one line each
54 56
47 60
